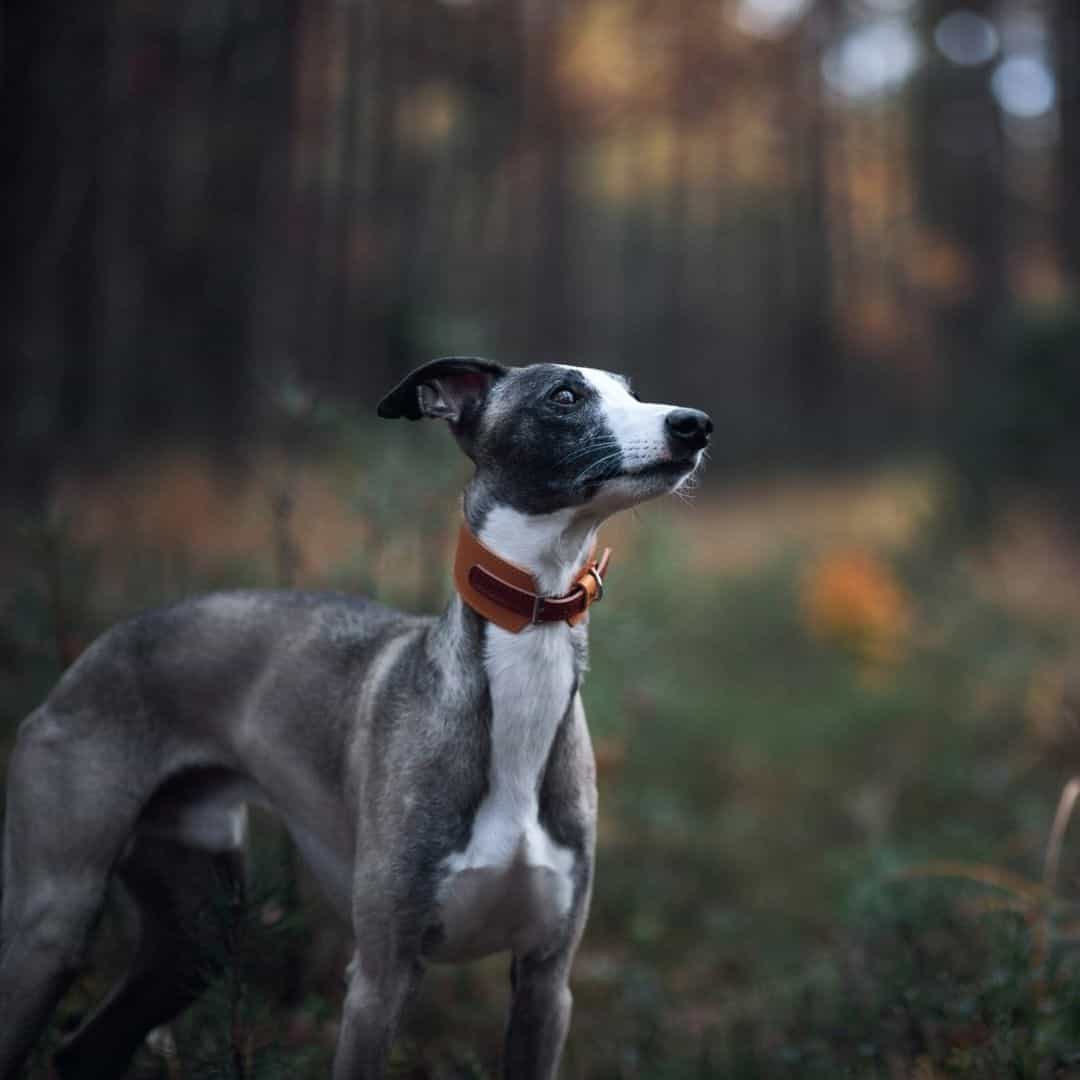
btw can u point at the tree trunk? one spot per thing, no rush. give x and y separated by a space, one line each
960 191
1068 73
817 372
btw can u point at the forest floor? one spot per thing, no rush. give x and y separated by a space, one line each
831 741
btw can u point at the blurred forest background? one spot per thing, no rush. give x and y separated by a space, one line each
849 229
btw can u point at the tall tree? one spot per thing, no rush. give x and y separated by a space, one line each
817 371
51 97
960 193
546 138
1067 26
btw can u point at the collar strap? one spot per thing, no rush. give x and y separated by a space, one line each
507 595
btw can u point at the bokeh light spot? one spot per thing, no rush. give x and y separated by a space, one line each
766 18
966 38
1024 86
872 59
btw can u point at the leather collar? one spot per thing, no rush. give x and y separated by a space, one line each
507 595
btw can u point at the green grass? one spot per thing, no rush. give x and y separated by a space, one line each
763 801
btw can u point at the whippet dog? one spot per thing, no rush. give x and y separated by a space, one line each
435 772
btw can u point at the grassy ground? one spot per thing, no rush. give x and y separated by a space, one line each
831 744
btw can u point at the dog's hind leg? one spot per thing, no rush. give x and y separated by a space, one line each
188 901
44 946
61 840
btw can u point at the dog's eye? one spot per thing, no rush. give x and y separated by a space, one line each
563 396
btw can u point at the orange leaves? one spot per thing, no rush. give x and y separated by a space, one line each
853 600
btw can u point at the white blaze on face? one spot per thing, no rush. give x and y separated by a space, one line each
637 426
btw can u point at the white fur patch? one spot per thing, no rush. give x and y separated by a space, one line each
212 820
552 547
513 883
637 426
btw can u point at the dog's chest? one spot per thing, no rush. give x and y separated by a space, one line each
512 886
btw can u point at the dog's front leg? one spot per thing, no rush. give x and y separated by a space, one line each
373 1004
539 1016
384 969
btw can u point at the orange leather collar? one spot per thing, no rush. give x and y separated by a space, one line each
507 595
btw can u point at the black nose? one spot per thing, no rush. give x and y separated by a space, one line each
688 429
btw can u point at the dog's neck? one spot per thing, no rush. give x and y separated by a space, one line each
552 547
532 678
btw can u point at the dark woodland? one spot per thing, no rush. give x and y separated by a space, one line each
831 840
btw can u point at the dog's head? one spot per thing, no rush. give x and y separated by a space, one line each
550 437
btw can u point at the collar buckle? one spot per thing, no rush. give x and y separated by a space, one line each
594 570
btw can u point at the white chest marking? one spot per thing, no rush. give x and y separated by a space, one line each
513 884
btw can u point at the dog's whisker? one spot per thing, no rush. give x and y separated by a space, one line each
596 467
582 451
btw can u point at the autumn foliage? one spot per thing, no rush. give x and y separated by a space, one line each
852 599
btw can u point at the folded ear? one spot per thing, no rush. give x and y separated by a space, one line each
451 388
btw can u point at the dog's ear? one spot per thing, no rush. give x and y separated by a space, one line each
451 388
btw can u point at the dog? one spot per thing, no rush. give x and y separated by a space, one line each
435 773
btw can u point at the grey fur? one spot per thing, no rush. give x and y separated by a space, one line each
367 731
